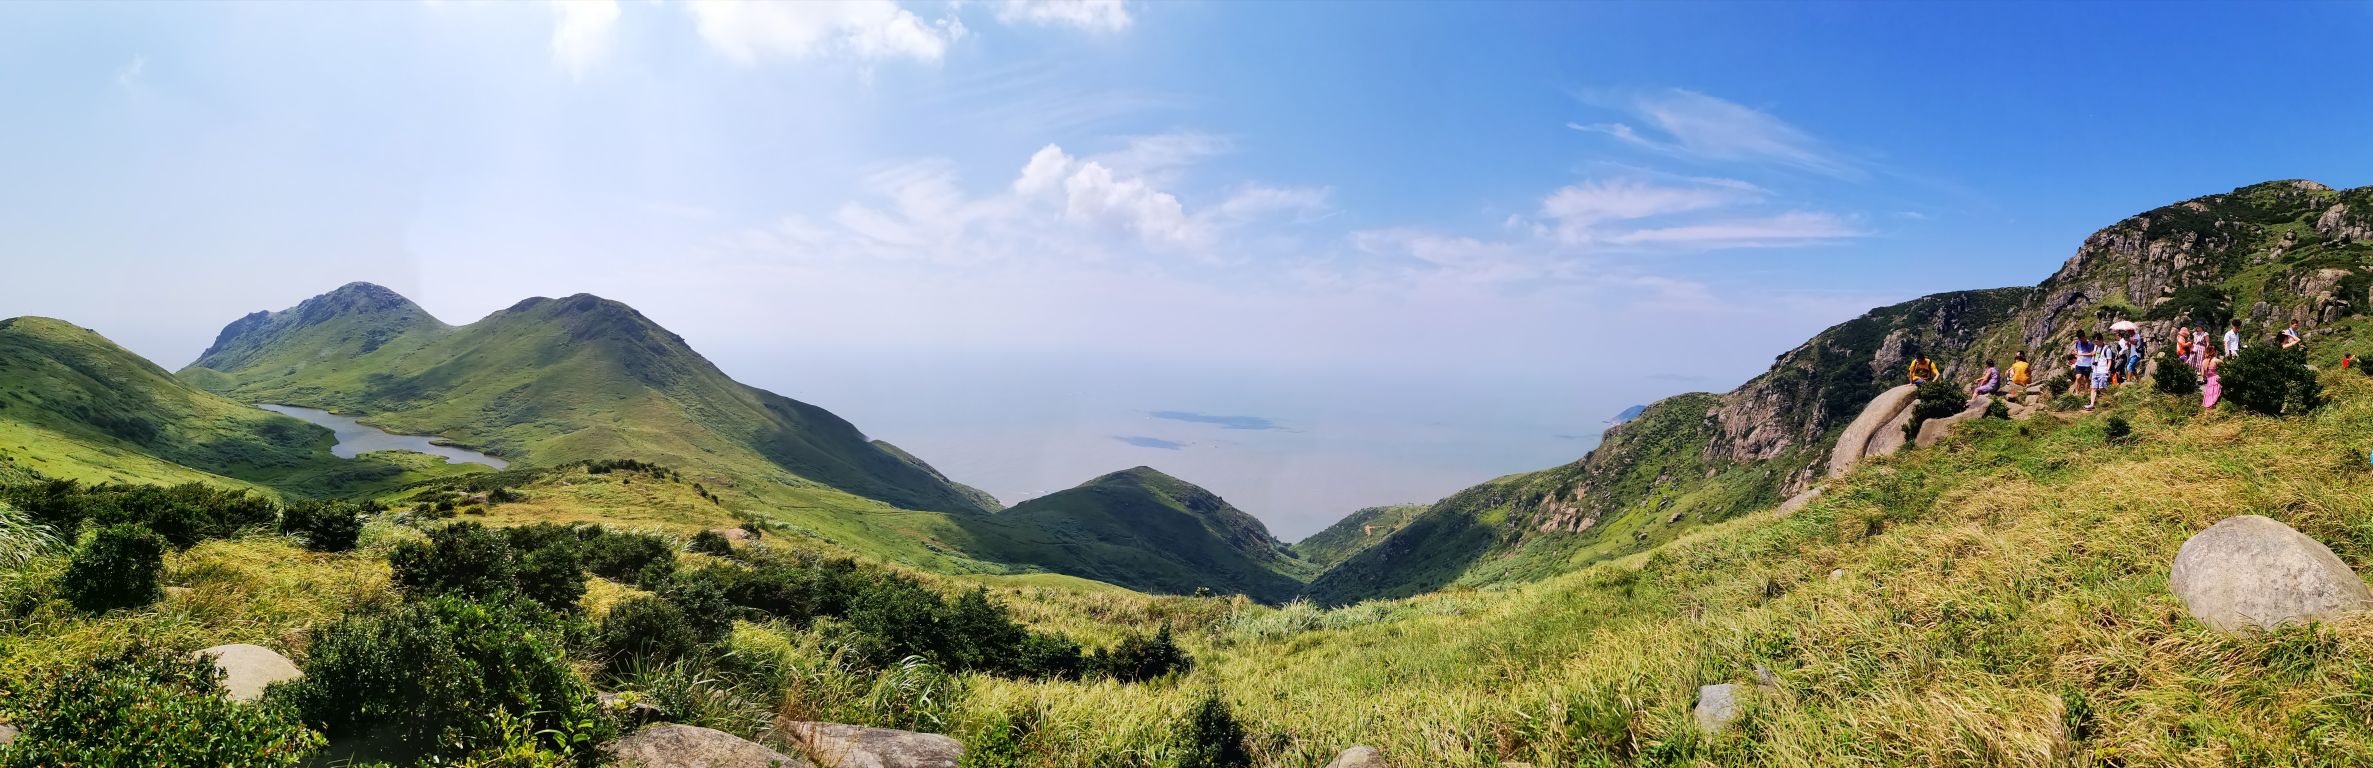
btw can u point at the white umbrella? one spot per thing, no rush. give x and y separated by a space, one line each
2123 325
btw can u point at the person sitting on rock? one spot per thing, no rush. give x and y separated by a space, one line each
2020 371
1923 371
1990 382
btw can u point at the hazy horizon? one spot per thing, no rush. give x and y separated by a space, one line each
1312 257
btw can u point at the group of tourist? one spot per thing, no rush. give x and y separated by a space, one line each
2101 361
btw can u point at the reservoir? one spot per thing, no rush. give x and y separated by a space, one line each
356 438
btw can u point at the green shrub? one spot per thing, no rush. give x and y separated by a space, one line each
145 707
462 559
1996 408
1933 400
2175 376
2068 402
2118 429
552 577
640 559
645 632
2270 380
184 514
117 569
324 526
429 680
711 543
1138 658
1211 737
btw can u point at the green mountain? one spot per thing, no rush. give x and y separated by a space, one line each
1147 531
75 405
1355 532
2268 254
548 381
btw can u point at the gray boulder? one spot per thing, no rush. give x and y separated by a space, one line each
7 734
1798 502
689 746
1360 757
848 746
246 669
2250 572
1717 707
1870 426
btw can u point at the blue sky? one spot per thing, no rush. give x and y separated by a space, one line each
1417 245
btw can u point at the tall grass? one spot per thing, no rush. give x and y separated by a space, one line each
21 539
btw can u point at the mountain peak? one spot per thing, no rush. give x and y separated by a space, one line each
365 315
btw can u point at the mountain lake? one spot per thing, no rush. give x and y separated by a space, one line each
356 438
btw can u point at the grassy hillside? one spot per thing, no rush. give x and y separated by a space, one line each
1353 533
1145 530
2269 254
74 405
548 381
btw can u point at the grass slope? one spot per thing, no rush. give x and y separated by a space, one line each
1145 530
74 405
1353 533
548 381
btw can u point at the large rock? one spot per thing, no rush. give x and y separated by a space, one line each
688 746
246 669
1855 442
1798 502
7 734
1360 757
2252 572
849 746
1717 707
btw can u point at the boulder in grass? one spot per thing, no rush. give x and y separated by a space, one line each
848 746
7 734
246 669
1360 757
690 746
1717 707
2250 572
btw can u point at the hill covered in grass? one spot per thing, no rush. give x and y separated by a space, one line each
1354 533
75 405
2268 254
1145 530
548 381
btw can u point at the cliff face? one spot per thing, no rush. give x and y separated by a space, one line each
2269 254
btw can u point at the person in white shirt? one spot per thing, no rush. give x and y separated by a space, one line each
2232 340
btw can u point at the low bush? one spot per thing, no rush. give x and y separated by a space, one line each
146 707
640 559
1997 408
117 569
2270 380
183 514
1210 737
434 679
1933 400
711 543
552 577
2118 430
646 632
331 526
1138 658
462 559
2175 376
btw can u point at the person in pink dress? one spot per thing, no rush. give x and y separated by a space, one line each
2211 388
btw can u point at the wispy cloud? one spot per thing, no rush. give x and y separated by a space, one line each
863 30
1224 422
584 34
130 72
1142 441
1796 228
1092 15
1695 126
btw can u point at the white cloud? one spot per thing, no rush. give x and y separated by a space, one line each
865 30
584 34
1581 208
1092 15
1795 228
1701 127
130 72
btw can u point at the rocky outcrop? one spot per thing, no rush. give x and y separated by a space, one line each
2250 572
688 746
247 669
1359 757
849 746
1717 707
1853 444
1934 430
